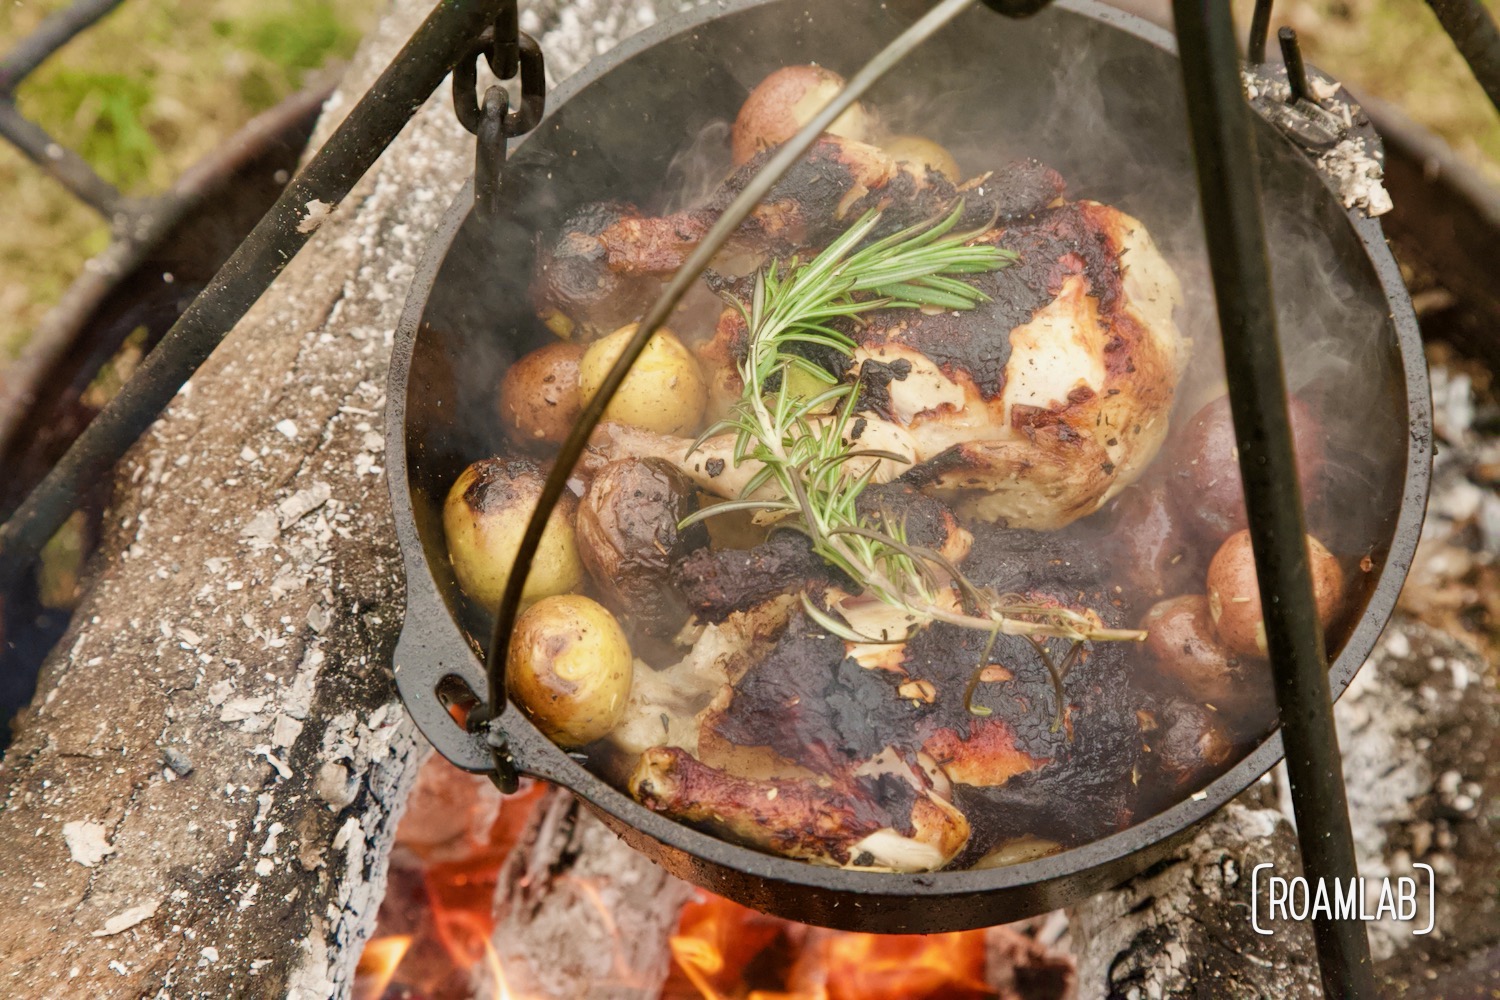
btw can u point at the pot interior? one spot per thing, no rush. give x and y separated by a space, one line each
1102 105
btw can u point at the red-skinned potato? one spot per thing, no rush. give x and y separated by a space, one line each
1205 484
569 668
1234 595
629 538
785 101
1190 745
1193 663
1151 551
539 399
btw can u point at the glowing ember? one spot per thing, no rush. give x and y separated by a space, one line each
435 921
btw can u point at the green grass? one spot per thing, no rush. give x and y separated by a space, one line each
142 95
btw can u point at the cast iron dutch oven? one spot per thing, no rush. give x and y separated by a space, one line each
1093 92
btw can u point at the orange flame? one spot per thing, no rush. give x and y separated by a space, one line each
728 952
437 925
377 965
497 973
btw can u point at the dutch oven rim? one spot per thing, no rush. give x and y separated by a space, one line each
430 630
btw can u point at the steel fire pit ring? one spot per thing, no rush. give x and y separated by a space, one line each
460 297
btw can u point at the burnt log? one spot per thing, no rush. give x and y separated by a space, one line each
202 798
1182 928
579 913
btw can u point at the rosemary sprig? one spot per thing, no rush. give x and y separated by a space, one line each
802 442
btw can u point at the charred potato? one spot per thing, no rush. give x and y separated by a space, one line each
1189 747
539 399
484 518
569 668
1191 662
922 154
1205 483
1234 594
785 101
663 391
629 539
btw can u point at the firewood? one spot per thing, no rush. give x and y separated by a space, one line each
579 913
1182 929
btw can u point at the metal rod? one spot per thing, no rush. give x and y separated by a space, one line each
1260 28
52 34
1473 31
61 164
421 65
1229 190
1296 69
760 185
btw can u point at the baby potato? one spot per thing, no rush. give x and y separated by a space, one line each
629 538
785 101
1192 662
484 518
1150 548
663 391
922 153
1205 484
539 399
1234 595
569 668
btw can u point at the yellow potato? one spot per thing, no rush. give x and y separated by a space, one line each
484 518
664 390
570 668
922 153
785 101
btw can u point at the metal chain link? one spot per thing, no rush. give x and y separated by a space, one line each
510 52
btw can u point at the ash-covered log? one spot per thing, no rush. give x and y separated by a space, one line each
581 913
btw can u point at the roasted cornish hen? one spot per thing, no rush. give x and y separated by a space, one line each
875 714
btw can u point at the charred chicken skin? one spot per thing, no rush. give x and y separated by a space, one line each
601 268
1032 410
963 731
1037 407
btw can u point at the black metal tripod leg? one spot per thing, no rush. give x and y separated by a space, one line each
1223 149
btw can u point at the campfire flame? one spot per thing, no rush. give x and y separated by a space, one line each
728 952
436 929
378 964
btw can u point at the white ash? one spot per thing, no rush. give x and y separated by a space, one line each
87 842
316 213
1273 88
1359 175
128 918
